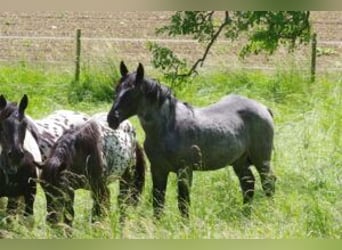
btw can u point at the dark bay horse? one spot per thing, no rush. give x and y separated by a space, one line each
17 175
180 138
37 136
91 156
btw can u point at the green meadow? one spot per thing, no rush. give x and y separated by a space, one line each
307 158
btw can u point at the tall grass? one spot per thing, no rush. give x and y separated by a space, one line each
307 159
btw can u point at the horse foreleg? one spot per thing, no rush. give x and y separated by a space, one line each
159 180
69 212
100 194
184 178
29 198
12 206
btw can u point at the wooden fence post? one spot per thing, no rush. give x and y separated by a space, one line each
313 56
78 55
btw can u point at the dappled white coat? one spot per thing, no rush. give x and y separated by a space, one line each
118 146
50 129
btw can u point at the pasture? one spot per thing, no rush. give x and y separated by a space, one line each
307 158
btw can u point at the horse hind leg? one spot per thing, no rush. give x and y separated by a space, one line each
267 177
137 176
124 197
242 170
101 200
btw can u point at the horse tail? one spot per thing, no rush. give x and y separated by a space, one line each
271 113
139 173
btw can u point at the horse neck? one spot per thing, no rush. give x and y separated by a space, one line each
32 128
31 145
157 120
32 138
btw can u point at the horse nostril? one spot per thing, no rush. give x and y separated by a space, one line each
20 154
15 155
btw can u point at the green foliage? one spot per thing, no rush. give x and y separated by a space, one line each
265 31
198 24
95 84
170 64
49 90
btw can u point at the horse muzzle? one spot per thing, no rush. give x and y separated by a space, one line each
15 155
12 170
113 119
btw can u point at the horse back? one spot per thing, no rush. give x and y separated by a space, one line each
47 130
219 134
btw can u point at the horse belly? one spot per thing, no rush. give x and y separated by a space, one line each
220 153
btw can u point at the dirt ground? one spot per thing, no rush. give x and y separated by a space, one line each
49 38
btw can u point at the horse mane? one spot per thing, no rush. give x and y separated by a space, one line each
60 156
154 91
159 93
88 136
32 127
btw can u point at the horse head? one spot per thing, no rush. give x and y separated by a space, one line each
127 95
12 131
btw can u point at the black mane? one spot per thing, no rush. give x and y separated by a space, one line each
61 152
154 90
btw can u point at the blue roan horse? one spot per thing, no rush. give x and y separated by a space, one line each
179 138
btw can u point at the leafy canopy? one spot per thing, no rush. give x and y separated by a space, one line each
264 30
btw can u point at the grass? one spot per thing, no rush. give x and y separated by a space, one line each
307 159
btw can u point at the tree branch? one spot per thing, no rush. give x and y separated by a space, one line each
209 45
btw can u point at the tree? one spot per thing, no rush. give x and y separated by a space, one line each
265 31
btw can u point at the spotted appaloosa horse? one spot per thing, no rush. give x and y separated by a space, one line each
21 131
90 157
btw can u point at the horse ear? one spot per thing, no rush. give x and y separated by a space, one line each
140 73
123 69
3 102
22 105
